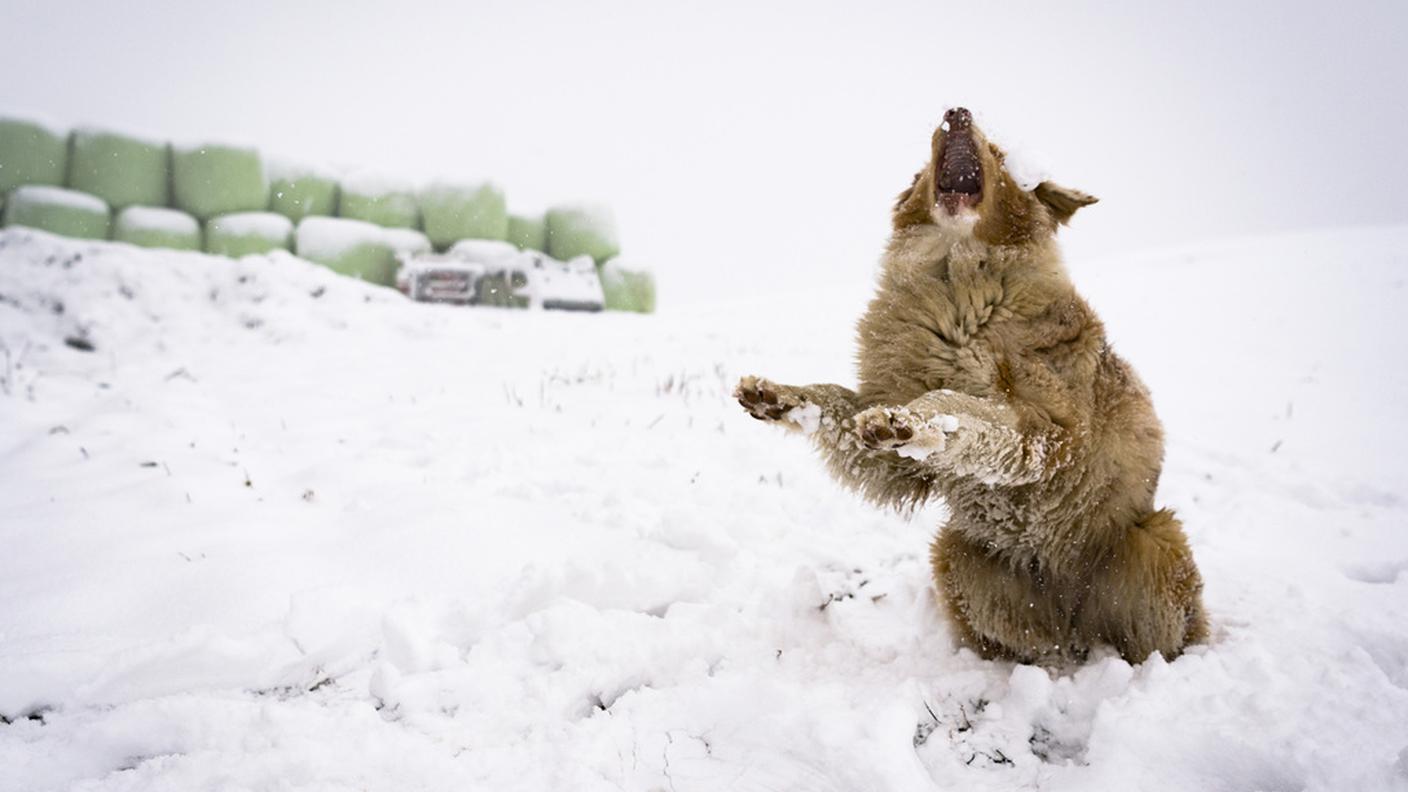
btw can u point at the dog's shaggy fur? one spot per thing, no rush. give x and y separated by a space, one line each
987 380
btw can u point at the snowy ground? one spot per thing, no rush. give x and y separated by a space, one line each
281 530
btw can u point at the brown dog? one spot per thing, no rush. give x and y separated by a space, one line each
985 378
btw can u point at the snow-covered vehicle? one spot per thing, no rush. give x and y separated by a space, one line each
438 277
488 272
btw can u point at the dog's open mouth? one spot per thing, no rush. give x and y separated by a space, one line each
959 173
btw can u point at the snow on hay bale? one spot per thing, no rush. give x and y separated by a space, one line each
581 230
357 248
157 227
528 233
485 251
297 193
627 286
247 233
124 171
453 212
30 153
213 179
374 200
405 240
57 210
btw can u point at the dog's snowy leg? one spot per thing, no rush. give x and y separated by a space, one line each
826 414
958 434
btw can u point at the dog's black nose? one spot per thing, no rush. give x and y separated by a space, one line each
958 118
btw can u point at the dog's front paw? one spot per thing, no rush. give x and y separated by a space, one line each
900 430
883 428
763 399
768 401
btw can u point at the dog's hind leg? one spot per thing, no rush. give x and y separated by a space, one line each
957 434
996 610
1146 594
826 413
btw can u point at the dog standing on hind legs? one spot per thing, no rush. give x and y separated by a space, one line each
987 380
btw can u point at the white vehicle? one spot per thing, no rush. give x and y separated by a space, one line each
428 277
487 272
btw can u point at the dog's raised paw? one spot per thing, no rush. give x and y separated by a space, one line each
765 400
898 429
883 428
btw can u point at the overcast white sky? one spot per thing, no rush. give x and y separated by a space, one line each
745 145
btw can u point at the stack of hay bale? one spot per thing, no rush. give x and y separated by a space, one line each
226 189
360 233
33 166
100 184
584 230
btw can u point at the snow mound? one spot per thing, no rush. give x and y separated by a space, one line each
266 527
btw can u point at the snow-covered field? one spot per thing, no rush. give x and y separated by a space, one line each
279 530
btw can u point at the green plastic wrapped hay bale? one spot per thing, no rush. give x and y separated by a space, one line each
452 212
357 248
627 287
377 201
124 171
297 193
581 230
528 233
31 153
247 234
157 227
213 179
58 211
349 247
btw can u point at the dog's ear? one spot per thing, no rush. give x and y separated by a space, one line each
909 191
1062 201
